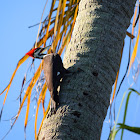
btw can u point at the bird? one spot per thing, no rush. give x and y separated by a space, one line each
53 72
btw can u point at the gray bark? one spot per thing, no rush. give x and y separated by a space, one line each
95 49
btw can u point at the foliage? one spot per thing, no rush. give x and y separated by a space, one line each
131 60
56 32
122 125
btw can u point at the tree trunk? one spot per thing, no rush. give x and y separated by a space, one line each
94 53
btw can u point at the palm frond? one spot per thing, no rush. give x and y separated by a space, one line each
56 31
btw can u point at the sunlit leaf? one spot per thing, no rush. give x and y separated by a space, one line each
114 128
134 52
56 19
115 85
125 111
111 136
56 31
126 106
75 15
47 110
130 128
40 24
49 21
29 90
28 94
66 41
23 59
44 89
134 20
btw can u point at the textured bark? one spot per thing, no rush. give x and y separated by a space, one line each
95 48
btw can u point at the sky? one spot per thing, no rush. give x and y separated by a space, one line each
17 39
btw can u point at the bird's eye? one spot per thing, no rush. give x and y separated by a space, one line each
58 73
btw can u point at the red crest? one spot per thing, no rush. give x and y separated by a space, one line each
31 52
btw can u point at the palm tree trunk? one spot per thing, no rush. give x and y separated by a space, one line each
94 52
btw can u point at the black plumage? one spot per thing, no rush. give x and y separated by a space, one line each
53 71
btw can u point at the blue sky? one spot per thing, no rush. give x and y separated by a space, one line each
16 39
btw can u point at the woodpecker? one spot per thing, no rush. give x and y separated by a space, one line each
53 71
37 53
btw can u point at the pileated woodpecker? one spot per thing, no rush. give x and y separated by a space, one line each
53 71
